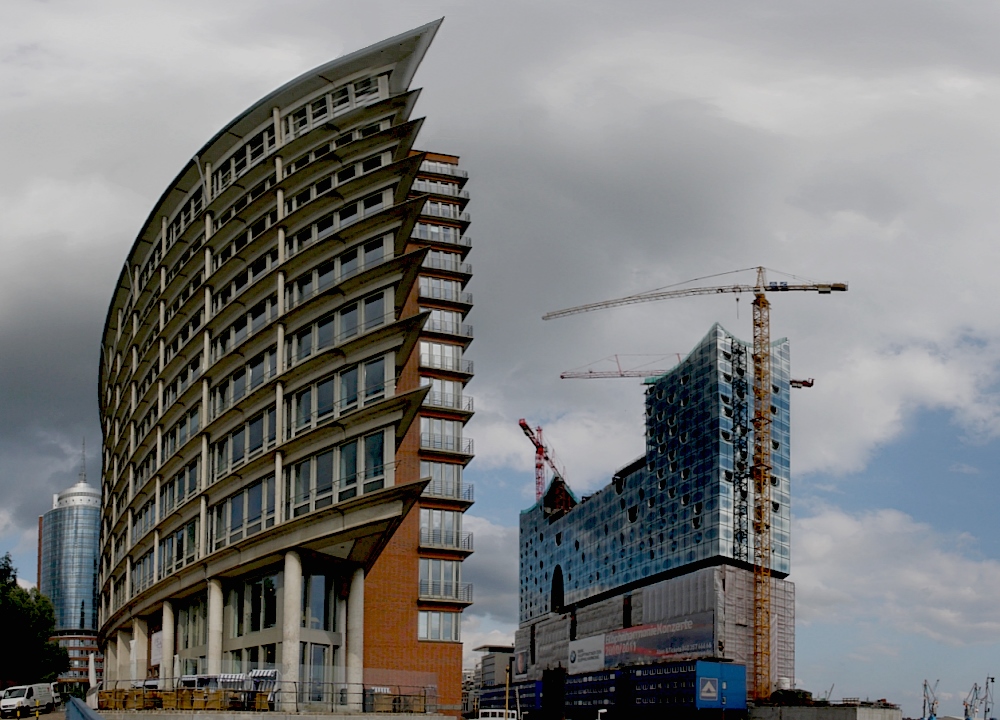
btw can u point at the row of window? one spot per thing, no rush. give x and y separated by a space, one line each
245 442
245 325
181 487
332 104
335 474
433 625
257 191
332 221
180 548
243 514
254 271
260 368
342 176
340 268
335 328
326 148
242 159
345 391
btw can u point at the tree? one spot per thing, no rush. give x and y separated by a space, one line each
27 621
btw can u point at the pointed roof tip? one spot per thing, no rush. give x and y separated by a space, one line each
83 463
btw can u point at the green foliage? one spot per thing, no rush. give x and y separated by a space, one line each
27 621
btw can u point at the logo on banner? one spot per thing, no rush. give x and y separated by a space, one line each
708 688
586 655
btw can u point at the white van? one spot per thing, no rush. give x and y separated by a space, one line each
21 700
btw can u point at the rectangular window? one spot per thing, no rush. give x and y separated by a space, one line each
439 626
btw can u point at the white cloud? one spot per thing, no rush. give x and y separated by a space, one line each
884 567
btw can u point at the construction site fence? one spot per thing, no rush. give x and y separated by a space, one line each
282 695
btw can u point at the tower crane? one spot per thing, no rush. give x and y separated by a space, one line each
930 700
761 469
543 456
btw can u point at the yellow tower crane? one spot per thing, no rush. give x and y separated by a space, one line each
761 470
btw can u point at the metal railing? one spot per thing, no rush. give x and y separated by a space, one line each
449 400
449 443
450 489
446 294
462 592
448 327
422 186
437 211
420 232
443 169
452 265
446 538
441 362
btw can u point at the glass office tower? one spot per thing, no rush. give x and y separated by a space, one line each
69 536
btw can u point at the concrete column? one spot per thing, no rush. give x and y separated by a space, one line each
279 414
110 662
214 659
206 415
156 556
281 349
167 663
279 489
356 638
291 626
203 528
203 471
281 293
124 657
281 245
140 648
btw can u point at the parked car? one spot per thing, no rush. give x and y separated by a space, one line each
21 700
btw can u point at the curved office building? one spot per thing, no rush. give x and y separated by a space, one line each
281 392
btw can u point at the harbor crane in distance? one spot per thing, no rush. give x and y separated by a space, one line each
543 456
930 701
761 470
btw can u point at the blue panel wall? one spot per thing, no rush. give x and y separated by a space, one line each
672 507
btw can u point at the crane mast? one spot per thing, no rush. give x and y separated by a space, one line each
543 457
760 475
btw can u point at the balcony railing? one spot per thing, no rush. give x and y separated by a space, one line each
448 443
441 362
459 296
455 539
451 401
420 232
443 169
449 327
451 265
437 590
447 489
446 212
422 186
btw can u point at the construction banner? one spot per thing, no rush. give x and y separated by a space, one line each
690 636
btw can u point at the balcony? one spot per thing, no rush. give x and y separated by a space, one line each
449 212
446 443
456 296
451 539
448 327
438 188
443 169
437 590
448 264
420 232
449 401
450 490
441 362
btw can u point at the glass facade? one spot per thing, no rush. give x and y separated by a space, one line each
679 505
69 551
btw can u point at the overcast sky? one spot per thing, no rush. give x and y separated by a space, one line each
614 148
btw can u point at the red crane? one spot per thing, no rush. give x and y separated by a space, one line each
543 457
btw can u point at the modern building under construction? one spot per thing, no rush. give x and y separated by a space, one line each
657 566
